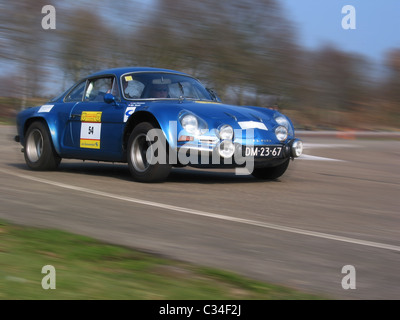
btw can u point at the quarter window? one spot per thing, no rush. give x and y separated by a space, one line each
97 88
76 94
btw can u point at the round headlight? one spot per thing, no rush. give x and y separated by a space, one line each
190 124
226 132
297 148
283 121
281 133
226 149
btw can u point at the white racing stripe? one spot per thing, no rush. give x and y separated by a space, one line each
208 214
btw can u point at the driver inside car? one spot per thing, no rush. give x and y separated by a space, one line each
159 91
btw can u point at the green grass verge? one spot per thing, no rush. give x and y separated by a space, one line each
89 269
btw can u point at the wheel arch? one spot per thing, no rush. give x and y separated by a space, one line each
145 116
52 132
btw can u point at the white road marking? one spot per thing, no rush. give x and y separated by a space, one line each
308 157
308 145
208 214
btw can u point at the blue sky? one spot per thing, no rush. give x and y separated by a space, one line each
319 22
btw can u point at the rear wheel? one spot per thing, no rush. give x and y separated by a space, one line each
39 151
139 148
270 173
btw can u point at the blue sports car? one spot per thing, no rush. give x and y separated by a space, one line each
155 119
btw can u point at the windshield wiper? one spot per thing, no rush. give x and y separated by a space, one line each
182 97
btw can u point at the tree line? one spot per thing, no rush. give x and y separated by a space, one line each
246 50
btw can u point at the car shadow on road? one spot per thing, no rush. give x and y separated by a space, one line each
211 176
178 175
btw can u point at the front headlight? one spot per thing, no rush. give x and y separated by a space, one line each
226 132
283 121
190 124
297 148
226 149
281 133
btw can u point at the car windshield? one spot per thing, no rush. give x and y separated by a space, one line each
159 85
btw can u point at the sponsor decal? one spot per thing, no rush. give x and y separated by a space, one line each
128 113
46 108
91 144
91 116
135 104
90 129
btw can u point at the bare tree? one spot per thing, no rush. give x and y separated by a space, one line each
24 43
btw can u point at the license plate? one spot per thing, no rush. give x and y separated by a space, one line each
263 151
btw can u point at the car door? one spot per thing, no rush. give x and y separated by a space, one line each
96 127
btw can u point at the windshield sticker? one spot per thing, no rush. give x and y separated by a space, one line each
91 116
128 78
252 125
128 113
46 108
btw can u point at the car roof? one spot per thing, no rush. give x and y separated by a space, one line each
120 71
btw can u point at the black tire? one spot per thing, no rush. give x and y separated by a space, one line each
39 150
138 163
271 173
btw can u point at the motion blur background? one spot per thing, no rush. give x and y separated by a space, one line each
293 54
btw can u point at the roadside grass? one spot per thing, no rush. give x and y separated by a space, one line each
87 269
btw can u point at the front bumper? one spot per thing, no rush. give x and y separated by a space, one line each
222 154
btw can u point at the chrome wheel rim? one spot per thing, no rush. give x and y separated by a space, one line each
139 148
34 145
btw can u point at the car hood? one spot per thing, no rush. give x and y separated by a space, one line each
208 110
216 114
259 120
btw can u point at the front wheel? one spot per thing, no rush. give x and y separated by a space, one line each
39 151
270 173
147 160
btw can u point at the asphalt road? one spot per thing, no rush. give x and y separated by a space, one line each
337 205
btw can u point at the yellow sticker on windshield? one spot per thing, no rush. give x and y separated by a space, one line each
128 78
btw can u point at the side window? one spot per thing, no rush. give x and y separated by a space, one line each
97 88
76 94
115 90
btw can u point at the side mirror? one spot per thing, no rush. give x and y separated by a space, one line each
110 99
